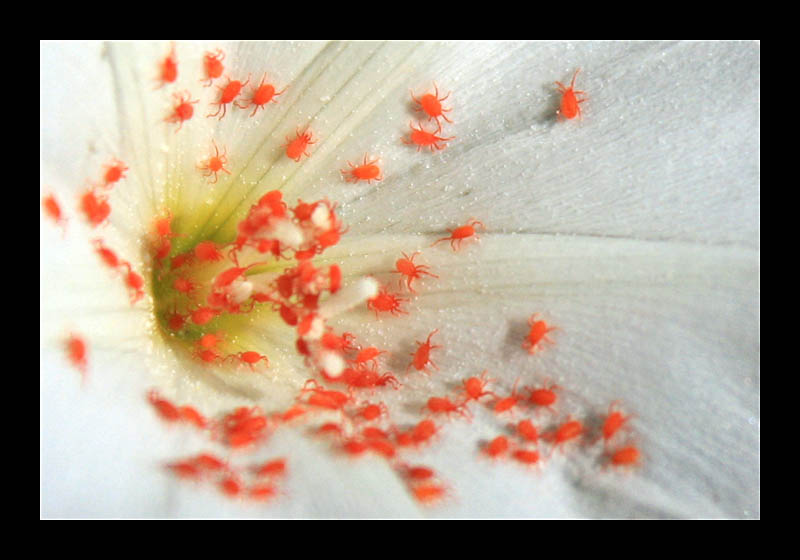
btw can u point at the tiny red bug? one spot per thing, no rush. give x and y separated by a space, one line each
135 283
276 467
422 138
613 422
538 332
497 446
386 301
422 355
182 110
77 353
53 209
626 457
367 355
428 493
212 64
262 492
114 171
96 208
229 93
215 164
296 148
508 403
528 431
250 358
442 404
528 457
373 411
474 386
165 409
262 95
461 233
168 68
367 171
411 271
570 104
207 251
108 256
431 104
544 396
567 431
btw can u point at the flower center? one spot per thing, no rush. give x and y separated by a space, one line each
208 294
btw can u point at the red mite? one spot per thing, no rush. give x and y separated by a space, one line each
422 355
570 104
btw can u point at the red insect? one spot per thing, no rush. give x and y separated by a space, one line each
203 315
231 486
209 340
626 457
497 446
422 355
165 409
229 93
423 138
207 251
276 467
114 171
439 404
190 414
262 95
296 148
96 208
529 457
135 283
474 387
613 422
411 271
77 353
215 164
262 492
250 358
373 411
570 104
418 473
168 68
182 110
53 209
368 354
528 431
538 332
423 431
567 431
431 104
461 233
508 403
367 171
544 396
212 64
428 493
386 301
108 256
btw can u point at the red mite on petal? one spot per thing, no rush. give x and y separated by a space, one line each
570 104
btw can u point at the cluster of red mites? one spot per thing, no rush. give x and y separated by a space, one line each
272 231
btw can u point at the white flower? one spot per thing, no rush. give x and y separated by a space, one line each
635 230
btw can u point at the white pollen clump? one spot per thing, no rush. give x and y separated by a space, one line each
331 363
316 330
321 217
349 297
287 233
240 290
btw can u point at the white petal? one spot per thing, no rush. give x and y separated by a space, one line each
667 150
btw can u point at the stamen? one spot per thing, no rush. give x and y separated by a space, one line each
349 297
